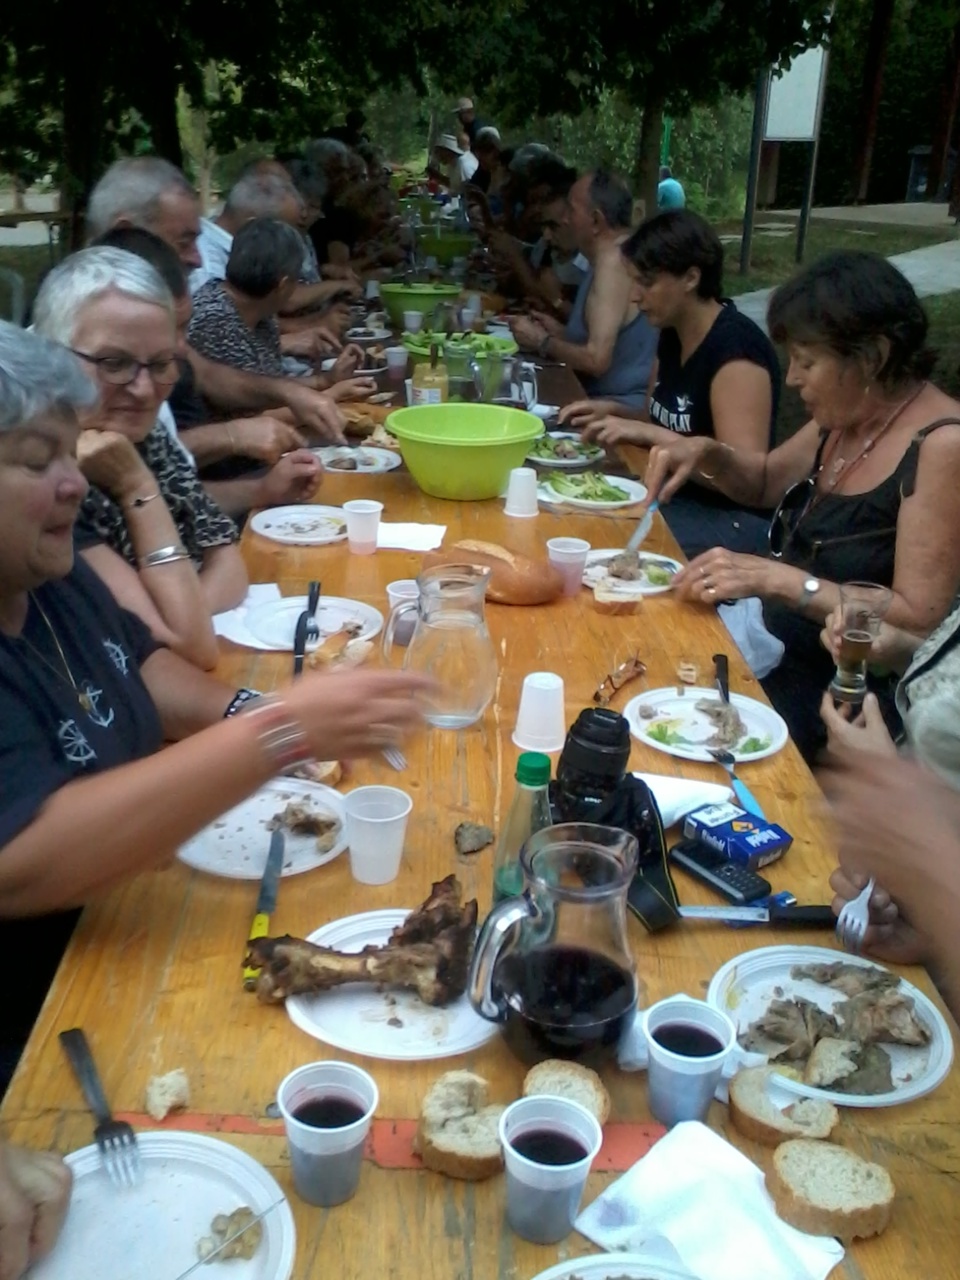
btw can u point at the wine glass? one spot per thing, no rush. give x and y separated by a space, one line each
862 608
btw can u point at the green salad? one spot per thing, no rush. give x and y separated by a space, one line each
554 448
480 343
750 746
589 487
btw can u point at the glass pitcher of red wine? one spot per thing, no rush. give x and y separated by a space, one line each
553 967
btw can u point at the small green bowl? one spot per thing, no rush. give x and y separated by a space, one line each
464 452
398 298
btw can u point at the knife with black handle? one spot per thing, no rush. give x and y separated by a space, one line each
722 668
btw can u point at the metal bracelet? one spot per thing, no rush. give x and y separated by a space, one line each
164 555
280 734
142 502
241 699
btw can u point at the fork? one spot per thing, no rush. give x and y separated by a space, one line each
740 789
313 600
395 758
115 1138
853 920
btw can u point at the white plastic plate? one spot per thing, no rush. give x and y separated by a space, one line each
615 1266
369 460
307 525
275 623
680 730
595 572
635 491
588 452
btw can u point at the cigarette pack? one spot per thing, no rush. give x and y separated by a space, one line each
740 836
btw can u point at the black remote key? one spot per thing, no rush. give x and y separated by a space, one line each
737 884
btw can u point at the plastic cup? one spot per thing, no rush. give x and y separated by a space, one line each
413 321
543 1199
408 387
682 1084
326 1162
363 520
397 358
376 822
521 493
569 557
372 290
541 718
397 592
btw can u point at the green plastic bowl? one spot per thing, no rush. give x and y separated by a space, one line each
463 451
398 298
446 245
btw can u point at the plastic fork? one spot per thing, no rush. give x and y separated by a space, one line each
395 758
854 919
313 599
115 1138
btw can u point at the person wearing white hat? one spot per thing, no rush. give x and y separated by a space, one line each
459 165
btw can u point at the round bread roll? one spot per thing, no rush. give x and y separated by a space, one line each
458 1131
514 578
570 1080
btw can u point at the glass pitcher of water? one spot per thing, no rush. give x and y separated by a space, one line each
505 380
450 642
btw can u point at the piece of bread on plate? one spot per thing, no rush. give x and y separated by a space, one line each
755 1115
607 599
570 1080
458 1130
828 1191
831 1060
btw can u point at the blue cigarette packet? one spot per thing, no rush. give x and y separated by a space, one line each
742 837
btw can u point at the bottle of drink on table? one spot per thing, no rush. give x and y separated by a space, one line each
529 812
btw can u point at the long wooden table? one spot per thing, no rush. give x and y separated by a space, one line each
153 973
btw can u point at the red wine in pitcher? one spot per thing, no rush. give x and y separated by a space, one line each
564 1002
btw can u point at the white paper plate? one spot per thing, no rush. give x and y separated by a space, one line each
365 334
275 623
633 488
592 452
236 845
745 986
676 712
304 526
358 1017
150 1232
369 460
613 1266
595 573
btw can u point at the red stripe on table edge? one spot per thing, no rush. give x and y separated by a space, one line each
390 1143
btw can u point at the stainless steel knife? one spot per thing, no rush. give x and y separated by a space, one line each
266 899
300 642
644 527
812 917
721 666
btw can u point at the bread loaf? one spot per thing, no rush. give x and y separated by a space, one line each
561 1079
823 1189
458 1131
514 578
756 1115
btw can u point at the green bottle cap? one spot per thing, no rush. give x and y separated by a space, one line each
533 769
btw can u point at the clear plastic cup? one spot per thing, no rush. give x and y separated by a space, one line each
521 493
569 557
682 1079
408 387
376 824
397 360
326 1160
363 521
543 1198
541 717
413 321
397 592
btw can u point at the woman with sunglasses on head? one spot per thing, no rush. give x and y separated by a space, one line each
867 490
146 526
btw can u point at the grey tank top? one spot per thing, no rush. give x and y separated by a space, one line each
633 354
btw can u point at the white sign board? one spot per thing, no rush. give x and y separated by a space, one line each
796 97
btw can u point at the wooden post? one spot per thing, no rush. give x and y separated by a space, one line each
872 88
946 114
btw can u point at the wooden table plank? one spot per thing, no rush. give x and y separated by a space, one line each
153 973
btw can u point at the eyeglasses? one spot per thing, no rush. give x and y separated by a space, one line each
792 508
120 371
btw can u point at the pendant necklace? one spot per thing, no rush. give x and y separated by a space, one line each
84 699
840 468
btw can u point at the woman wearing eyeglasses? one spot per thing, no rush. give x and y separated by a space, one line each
147 526
867 490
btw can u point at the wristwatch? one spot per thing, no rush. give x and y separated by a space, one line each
810 588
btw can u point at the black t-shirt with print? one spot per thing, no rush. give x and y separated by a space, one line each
47 739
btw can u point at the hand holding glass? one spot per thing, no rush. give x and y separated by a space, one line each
862 608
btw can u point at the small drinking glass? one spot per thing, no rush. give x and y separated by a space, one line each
862 608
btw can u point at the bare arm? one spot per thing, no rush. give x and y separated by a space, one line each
188 700
264 438
313 295
223 578
607 304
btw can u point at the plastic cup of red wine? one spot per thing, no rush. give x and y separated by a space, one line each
327 1108
548 1145
688 1043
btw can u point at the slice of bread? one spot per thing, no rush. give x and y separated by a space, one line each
831 1060
563 1079
458 1129
756 1115
823 1189
167 1093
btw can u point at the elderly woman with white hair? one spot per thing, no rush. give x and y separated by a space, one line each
147 526
87 697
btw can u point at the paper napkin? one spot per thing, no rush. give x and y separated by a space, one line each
676 797
410 537
232 624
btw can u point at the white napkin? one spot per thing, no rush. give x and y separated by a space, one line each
696 1201
545 411
676 797
232 624
744 620
632 1056
410 537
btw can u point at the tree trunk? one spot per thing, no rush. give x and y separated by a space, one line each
878 40
946 114
647 173
84 107
154 94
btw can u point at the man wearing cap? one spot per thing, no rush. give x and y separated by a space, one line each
468 119
459 165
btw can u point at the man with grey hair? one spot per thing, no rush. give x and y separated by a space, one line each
145 191
149 192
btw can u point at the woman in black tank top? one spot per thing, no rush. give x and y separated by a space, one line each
856 334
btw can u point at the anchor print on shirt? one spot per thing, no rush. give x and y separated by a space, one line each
102 719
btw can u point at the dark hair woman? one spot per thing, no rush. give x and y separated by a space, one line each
716 374
867 490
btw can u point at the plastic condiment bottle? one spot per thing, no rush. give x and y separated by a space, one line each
431 385
529 812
